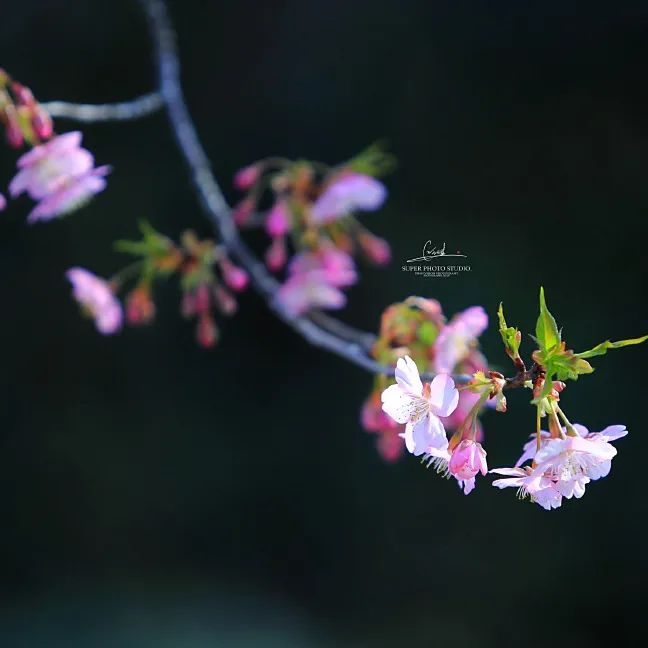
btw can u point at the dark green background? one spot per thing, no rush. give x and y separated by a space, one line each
154 494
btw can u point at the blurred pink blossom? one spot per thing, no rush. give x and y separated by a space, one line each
348 193
97 298
60 175
458 338
314 280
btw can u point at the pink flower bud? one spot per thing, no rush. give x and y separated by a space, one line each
201 299
276 254
206 331
23 94
278 219
247 177
13 131
140 308
467 459
236 278
42 123
188 305
376 249
225 301
243 211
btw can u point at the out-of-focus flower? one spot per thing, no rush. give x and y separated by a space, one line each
376 249
419 406
375 420
457 338
301 292
315 279
206 330
97 298
247 177
278 219
276 254
140 308
467 459
60 175
348 193
236 278
3 202
244 210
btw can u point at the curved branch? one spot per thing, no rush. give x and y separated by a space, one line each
122 111
219 212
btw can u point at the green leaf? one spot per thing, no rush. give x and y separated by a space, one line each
601 349
373 161
427 333
568 366
547 333
510 335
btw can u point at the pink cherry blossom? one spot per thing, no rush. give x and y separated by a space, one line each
537 487
566 464
468 458
439 458
346 194
97 298
457 339
60 175
419 407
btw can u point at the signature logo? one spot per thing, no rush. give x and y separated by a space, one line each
430 252
423 266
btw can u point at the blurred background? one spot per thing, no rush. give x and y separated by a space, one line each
155 494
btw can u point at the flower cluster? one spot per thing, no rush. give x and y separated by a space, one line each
417 328
312 207
207 279
57 173
555 464
561 465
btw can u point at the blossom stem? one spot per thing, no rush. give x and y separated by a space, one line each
123 111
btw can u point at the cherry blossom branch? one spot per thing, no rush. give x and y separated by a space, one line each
123 111
319 330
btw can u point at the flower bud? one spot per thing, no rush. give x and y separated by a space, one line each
468 458
275 256
23 94
377 250
236 278
247 177
42 123
188 304
225 300
278 219
140 308
206 331
201 298
13 132
243 211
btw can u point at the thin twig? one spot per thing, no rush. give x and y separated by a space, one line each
122 111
